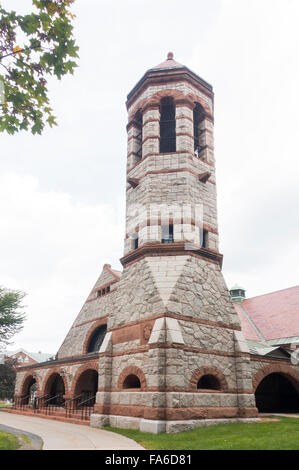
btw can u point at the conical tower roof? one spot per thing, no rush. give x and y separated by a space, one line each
169 63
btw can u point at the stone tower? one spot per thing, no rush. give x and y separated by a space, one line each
174 356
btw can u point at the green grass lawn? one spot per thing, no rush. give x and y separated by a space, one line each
8 441
270 435
5 405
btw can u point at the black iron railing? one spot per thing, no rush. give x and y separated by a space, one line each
87 407
71 405
51 405
38 405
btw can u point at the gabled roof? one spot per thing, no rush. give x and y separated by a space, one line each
38 357
270 316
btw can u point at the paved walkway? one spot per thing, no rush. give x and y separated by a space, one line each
58 435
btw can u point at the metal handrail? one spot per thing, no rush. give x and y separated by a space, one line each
52 398
67 408
85 408
19 402
48 409
38 400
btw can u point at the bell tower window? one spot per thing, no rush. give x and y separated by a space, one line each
138 120
167 126
197 119
167 233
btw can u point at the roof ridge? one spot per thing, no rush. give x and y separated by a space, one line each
269 293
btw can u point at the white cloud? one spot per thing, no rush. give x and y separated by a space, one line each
52 248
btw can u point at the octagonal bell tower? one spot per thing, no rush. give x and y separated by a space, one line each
174 356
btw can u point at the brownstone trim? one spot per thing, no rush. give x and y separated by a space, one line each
25 383
187 152
177 317
208 371
90 321
170 249
183 116
175 414
174 346
91 365
179 98
132 370
150 120
182 390
151 106
268 360
134 154
99 322
150 137
291 374
186 134
197 350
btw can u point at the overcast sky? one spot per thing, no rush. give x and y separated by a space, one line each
62 193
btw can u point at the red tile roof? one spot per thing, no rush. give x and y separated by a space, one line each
274 315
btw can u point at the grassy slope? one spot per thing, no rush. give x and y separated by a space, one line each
8 441
278 435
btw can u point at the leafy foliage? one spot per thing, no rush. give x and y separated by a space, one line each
48 49
11 314
7 378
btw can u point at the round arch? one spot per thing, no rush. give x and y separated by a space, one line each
85 381
49 380
276 394
177 96
291 374
213 375
28 382
129 376
100 323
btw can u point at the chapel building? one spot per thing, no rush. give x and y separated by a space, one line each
163 346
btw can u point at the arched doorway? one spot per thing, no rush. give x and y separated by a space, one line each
28 389
276 394
55 389
87 386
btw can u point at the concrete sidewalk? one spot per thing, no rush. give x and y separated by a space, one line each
65 436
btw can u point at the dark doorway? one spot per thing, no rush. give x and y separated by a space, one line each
87 386
276 394
57 391
29 388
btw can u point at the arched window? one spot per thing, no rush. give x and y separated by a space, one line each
97 338
167 126
138 137
131 381
208 382
198 116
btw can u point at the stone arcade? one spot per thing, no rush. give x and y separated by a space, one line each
160 345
